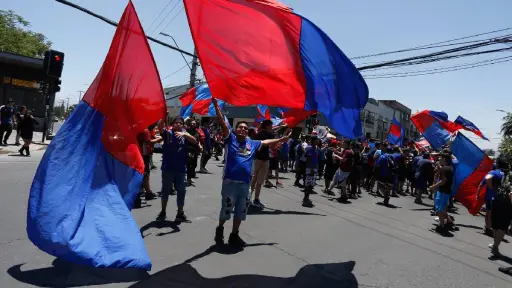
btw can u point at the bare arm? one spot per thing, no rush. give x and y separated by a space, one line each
220 119
269 142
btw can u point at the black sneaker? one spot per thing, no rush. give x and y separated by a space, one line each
180 217
173 192
138 203
307 204
21 152
161 216
150 195
236 241
219 236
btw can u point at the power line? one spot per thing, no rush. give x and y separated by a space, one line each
433 45
166 16
182 8
440 53
411 74
181 68
438 69
161 12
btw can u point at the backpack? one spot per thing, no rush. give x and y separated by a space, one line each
503 190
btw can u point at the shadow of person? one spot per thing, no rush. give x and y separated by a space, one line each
253 210
337 275
159 225
66 274
224 250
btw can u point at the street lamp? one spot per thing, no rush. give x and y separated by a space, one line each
167 35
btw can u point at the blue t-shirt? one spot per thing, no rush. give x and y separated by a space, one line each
497 176
383 165
239 157
6 113
312 157
174 153
285 149
321 154
207 139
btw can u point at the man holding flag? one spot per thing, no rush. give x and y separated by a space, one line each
240 152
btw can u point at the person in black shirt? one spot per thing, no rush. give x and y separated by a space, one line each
7 120
261 163
193 151
18 116
444 191
27 131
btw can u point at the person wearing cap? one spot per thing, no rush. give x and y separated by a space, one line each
424 172
7 121
311 154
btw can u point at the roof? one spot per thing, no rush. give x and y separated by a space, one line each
16 59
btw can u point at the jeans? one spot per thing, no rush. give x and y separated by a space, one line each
235 199
177 179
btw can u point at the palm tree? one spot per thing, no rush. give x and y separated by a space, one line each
506 127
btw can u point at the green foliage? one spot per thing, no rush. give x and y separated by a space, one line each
16 37
506 126
59 111
505 148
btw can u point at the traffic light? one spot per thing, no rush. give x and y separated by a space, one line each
56 86
53 63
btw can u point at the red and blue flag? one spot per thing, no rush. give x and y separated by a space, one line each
264 114
396 133
91 173
473 164
250 47
198 100
293 117
469 126
435 127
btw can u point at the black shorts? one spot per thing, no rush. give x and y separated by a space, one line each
386 179
501 215
147 165
273 164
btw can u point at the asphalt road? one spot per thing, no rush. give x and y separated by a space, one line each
332 245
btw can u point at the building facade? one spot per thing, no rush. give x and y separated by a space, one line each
376 115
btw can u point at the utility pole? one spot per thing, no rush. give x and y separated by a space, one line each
193 70
67 106
80 96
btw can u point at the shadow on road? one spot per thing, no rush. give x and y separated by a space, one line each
269 211
225 249
159 225
65 274
314 275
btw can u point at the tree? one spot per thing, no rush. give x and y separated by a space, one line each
505 148
489 152
16 37
506 126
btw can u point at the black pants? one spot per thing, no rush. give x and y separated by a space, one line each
191 167
7 129
207 154
321 167
301 172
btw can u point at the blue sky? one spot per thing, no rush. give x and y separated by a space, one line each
358 27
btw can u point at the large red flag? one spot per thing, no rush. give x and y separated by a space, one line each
92 170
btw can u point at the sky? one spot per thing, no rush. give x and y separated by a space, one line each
358 27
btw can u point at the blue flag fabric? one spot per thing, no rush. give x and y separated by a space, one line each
469 126
396 133
91 173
